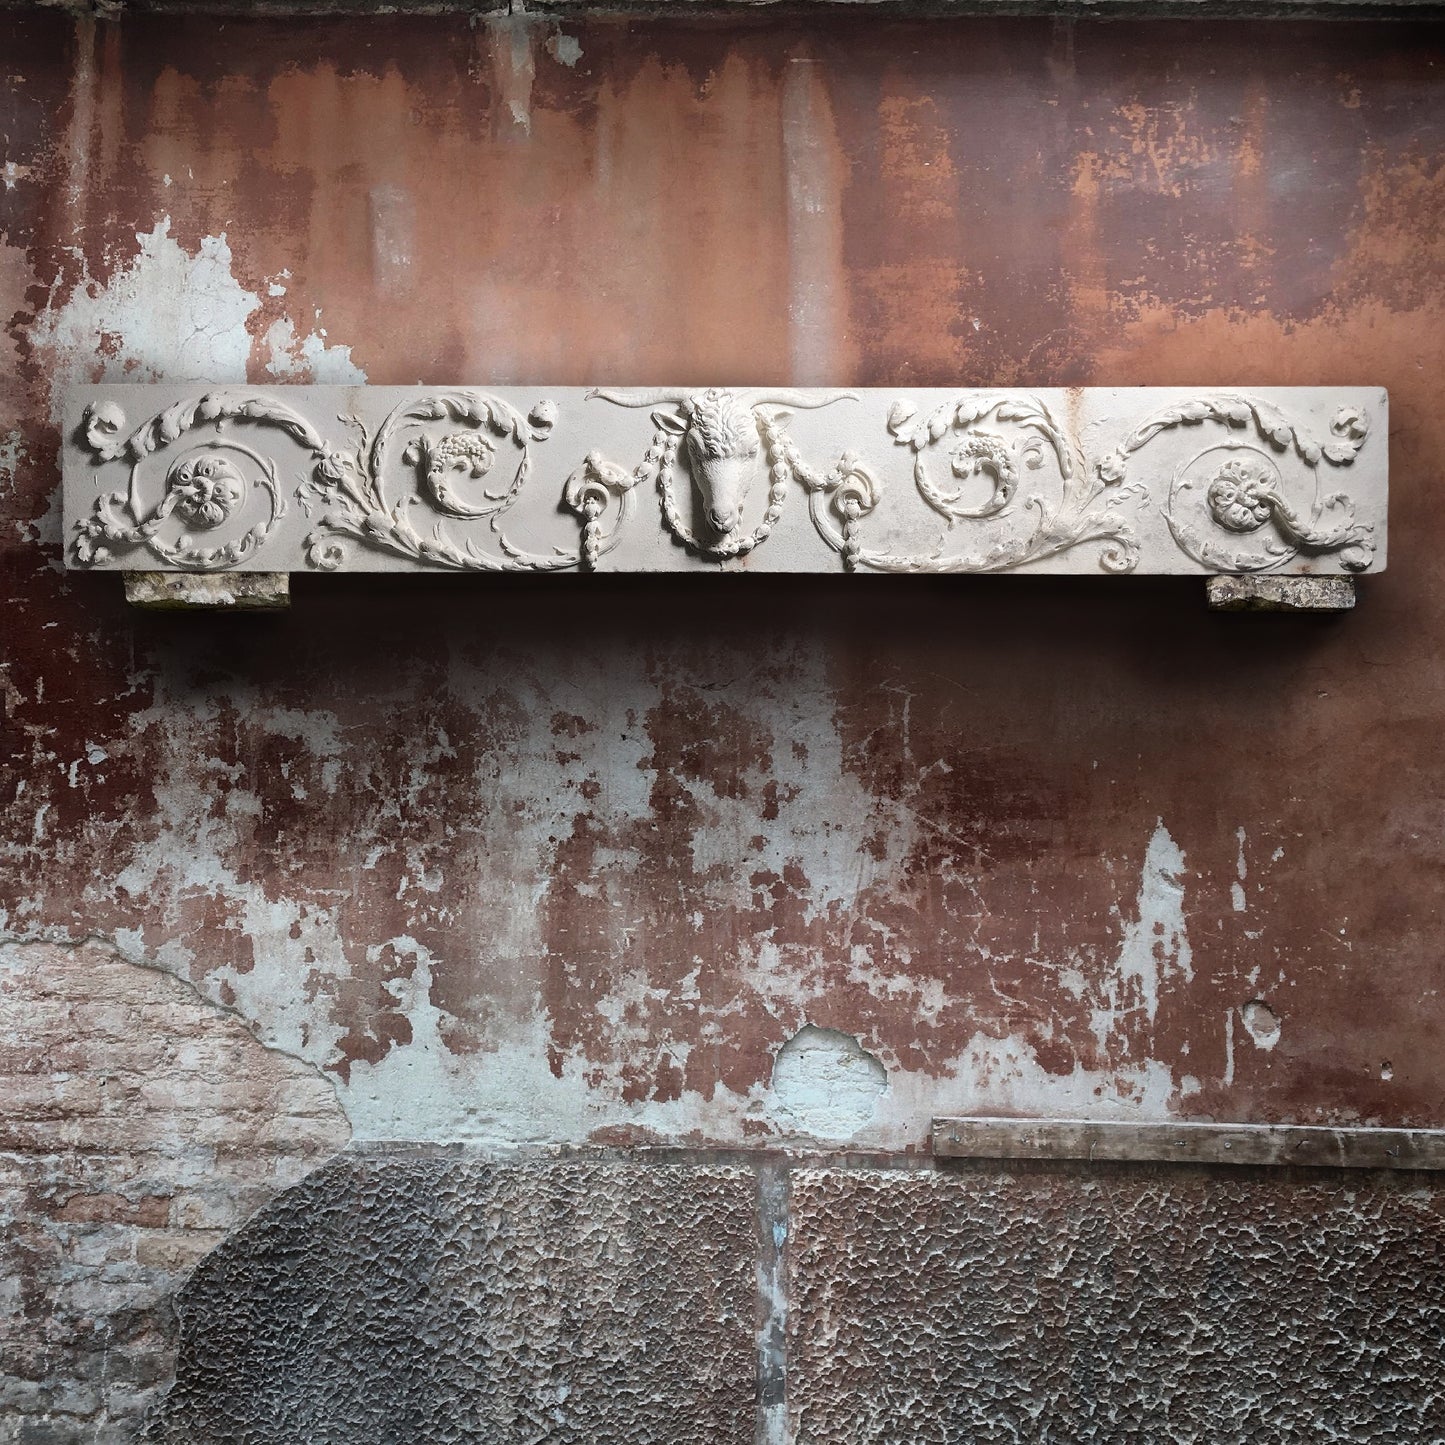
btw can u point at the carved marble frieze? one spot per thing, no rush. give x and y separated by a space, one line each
1279 481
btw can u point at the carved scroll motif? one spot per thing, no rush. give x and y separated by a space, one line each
441 479
1235 490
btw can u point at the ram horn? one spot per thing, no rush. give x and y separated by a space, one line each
643 398
802 400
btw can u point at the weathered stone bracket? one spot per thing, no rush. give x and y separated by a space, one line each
208 591
1268 483
1122 1142
1281 594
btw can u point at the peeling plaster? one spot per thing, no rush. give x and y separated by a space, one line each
163 315
512 1087
1155 950
308 358
166 314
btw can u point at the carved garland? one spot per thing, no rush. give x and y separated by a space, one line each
1226 505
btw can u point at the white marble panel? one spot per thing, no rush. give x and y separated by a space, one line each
1271 481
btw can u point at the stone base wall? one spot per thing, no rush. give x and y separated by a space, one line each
448 1297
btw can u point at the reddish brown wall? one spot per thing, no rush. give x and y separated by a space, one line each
523 863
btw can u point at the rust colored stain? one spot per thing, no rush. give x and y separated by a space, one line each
664 827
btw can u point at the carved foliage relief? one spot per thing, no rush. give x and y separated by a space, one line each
378 479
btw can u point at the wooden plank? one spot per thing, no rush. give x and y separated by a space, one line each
1267 1144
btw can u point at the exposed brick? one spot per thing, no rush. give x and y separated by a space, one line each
99 1192
148 1211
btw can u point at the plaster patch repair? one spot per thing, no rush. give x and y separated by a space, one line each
1261 1023
455 1299
996 1305
826 1083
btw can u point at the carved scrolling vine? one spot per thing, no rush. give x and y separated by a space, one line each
438 480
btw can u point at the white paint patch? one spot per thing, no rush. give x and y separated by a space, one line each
165 315
826 1084
566 49
514 67
1242 868
1156 945
308 358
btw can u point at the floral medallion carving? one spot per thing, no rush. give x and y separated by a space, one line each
968 481
206 487
219 486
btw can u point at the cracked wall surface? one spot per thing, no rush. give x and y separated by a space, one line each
519 871
1140 1305
456 1299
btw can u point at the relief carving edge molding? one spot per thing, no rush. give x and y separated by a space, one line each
1258 481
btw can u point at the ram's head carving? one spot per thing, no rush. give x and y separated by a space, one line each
721 439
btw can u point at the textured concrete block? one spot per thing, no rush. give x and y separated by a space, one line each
979 1307
442 1299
